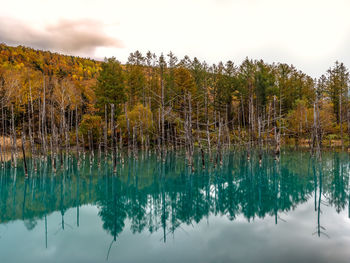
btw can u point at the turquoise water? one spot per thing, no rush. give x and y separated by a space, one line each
295 210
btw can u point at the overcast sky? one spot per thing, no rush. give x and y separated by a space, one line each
310 34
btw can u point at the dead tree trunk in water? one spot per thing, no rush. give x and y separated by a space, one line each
207 126
227 129
99 152
43 120
77 135
276 131
14 138
31 136
90 147
348 114
3 145
3 134
52 131
83 148
128 126
134 142
341 120
114 155
260 139
218 151
24 153
199 139
67 143
162 115
189 132
316 143
105 129
112 129
159 134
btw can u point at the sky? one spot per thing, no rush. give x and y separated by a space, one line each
310 34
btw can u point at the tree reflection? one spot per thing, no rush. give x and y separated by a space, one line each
161 197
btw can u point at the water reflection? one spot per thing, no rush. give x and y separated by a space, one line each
163 197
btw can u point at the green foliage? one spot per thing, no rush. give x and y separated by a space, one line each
140 117
92 124
337 86
135 79
110 88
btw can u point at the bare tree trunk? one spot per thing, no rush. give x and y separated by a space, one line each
252 121
243 115
62 134
159 133
276 132
141 135
218 151
260 139
114 155
43 119
30 114
112 129
31 135
24 153
90 148
14 140
99 153
190 137
199 139
341 121
268 124
207 126
162 114
83 148
66 127
3 134
77 135
2 148
128 126
105 146
120 139
51 127
348 117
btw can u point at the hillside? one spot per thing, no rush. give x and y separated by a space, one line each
50 63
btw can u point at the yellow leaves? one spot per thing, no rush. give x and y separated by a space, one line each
184 80
19 66
327 117
93 124
301 119
20 58
140 116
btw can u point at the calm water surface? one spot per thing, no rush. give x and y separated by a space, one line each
295 210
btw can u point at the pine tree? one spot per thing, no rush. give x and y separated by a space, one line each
110 88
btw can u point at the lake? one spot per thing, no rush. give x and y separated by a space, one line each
294 210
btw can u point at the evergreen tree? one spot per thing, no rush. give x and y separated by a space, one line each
110 88
136 81
337 87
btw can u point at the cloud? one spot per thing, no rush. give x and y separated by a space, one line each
69 36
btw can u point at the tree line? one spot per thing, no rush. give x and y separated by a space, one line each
58 104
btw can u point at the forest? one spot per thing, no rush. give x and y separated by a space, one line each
56 105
